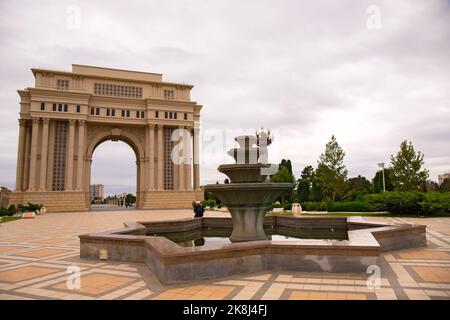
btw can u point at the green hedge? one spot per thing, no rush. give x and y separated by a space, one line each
345 206
314 206
420 203
435 203
350 206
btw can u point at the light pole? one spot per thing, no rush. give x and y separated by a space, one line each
381 165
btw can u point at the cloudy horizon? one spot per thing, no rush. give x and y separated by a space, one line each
373 73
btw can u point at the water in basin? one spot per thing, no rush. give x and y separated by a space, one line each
217 236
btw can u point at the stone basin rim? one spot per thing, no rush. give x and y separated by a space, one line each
173 263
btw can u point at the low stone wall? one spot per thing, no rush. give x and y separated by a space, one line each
401 238
53 201
64 201
170 199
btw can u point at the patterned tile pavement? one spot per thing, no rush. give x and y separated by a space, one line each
35 256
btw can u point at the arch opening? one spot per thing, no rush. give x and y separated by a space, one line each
114 174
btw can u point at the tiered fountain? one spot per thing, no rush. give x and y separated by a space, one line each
308 244
250 192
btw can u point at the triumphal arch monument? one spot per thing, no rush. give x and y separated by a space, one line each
66 115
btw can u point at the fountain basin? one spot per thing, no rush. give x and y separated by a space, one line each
173 263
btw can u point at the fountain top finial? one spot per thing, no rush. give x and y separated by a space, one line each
252 149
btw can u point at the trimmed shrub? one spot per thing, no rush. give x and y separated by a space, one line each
435 203
350 206
397 202
30 207
314 206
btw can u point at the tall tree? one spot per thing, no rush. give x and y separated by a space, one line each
285 175
287 164
356 187
407 171
304 184
377 181
331 171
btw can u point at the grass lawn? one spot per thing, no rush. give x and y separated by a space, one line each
7 219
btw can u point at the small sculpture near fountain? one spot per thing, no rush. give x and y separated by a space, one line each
250 192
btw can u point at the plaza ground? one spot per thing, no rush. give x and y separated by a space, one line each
35 255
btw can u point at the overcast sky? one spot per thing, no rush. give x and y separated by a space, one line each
373 73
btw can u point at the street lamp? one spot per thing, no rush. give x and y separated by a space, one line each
381 165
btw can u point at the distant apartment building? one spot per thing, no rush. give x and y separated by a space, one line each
97 192
442 177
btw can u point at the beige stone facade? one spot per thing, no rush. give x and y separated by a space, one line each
4 197
66 115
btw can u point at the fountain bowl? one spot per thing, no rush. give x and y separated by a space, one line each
239 173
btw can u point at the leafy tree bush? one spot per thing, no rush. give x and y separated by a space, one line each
284 175
304 184
331 171
377 181
407 171
130 198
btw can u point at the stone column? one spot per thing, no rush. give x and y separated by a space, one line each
70 146
160 157
20 154
196 158
188 164
80 154
26 166
33 155
151 156
181 185
44 154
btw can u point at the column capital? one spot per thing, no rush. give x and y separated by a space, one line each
35 120
81 122
160 126
22 122
72 122
46 120
151 125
